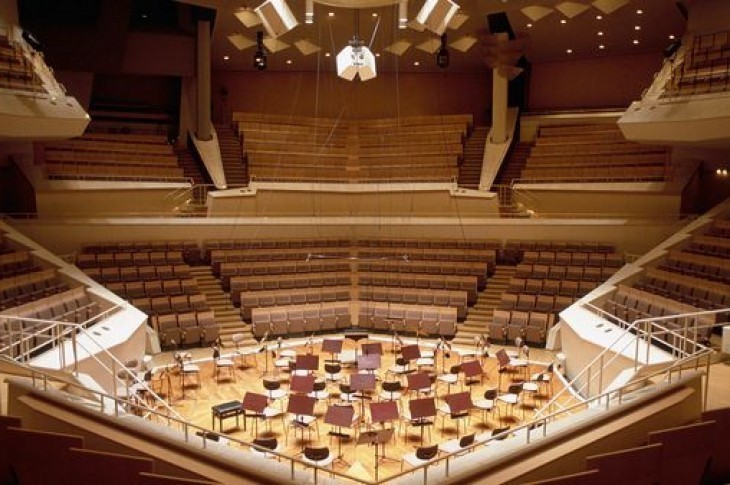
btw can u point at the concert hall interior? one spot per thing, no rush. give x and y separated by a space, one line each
364 241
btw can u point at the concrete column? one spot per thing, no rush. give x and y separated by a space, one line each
499 104
203 131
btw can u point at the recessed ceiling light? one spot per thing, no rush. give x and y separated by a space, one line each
377 54
671 36
637 27
144 15
529 26
330 14
225 58
635 41
563 21
327 54
288 61
600 33
416 63
639 12
375 14
601 46
569 51
599 17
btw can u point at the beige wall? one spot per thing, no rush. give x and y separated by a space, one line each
385 96
604 82
107 202
599 203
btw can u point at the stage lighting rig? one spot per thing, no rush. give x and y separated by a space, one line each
259 57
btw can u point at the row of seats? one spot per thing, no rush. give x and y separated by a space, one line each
427 243
192 328
28 287
211 244
478 270
697 292
15 263
301 319
189 249
228 270
720 228
488 256
541 303
16 72
416 296
220 256
573 258
137 289
710 246
705 66
249 300
531 326
135 258
407 319
239 284
467 284
113 274
705 267
562 272
548 287
362 175
631 304
90 171
124 155
559 246
163 305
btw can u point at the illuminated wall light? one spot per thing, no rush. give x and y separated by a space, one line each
403 14
569 51
599 17
529 26
600 33
563 21
637 27
327 54
601 46
225 58
639 12
416 63
377 54
330 14
671 37
309 12
288 61
722 172
375 14
635 41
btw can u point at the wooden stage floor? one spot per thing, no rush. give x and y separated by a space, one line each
199 398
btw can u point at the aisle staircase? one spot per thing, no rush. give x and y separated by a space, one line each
187 162
226 315
508 173
234 165
470 170
479 316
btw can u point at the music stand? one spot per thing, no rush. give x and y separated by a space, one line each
256 403
372 348
471 368
368 362
339 416
356 336
421 410
362 383
302 384
419 382
307 362
410 352
300 405
459 405
376 437
333 347
383 412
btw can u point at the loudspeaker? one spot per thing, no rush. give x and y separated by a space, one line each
352 61
435 15
277 17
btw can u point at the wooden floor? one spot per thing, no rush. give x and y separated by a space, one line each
198 399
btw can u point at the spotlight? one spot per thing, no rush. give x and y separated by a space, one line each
259 57
356 59
442 55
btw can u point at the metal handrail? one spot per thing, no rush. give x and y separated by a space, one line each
72 331
188 429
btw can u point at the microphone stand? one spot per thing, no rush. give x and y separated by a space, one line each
266 354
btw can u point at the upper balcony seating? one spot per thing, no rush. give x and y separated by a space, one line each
317 149
592 153
112 156
16 72
706 66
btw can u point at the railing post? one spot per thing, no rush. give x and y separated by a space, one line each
600 376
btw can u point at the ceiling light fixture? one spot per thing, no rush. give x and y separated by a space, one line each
599 17
529 26
225 58
259 57
403 14
600 33
637 27
601 46
639 12
636 41
309 12
569 51
563 21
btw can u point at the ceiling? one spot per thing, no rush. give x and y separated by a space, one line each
568 30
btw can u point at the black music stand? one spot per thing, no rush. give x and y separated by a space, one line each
376 437
307 362
256 403
421 411
419 382
340 416
459 406
372 348
333 347
384 412
471 368
362 383
300 405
